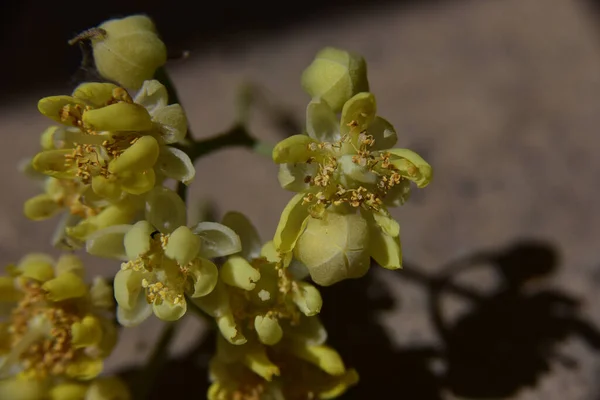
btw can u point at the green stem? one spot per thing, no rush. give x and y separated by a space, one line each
155 362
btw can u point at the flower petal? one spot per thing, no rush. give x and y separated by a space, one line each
238 272
87 332
384 134
142 155
137 240
152 95
175 164
68 391
96 94
52 107
165 210
323 357
386 222
293 149
168 311
385 249
217 240
398 195
116 214
109 388
249 239
268 329
41 207
204 275
292 223
321 122
128 288
22 389
138 183
294 176
85 368
70 263
183 246
229 329
65 286
172 122
334 248
102 294
37 266
108 242
307 298
53 163
107 188
358 113
412 166
118 117
135 316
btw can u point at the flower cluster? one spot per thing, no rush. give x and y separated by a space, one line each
56 330
346 174
108 153
105 165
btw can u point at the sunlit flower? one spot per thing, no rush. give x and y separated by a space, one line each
115 143
54 325
337 168
166 260
257 294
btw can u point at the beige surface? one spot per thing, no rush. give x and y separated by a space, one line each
501 97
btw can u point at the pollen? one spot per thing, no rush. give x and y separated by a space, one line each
53 352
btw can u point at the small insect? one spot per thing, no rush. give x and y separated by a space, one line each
154 234
92 33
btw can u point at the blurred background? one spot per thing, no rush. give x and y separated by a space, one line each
497 299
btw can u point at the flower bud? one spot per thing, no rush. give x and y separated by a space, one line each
335 75
130 51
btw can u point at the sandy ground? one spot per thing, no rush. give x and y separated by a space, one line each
501 97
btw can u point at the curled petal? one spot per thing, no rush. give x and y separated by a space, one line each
128 287
323 357
165 210
118 117
358 113
152 95
107 188
141 156
268 329
385 249
307 298
138 183
87 332
65 286
41 207
229 329
183 246
53 163
293 149
204 275
96 94
412 166
386 222
108 242
169 311
135 316
138 239
249 239
175 164
291 224
101 294
53 106
172 122
238 272
37 266
217 240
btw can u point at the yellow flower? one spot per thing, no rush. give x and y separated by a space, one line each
257 294
58 327
166 260
128 50
299 367
337 168
116 144
20 388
